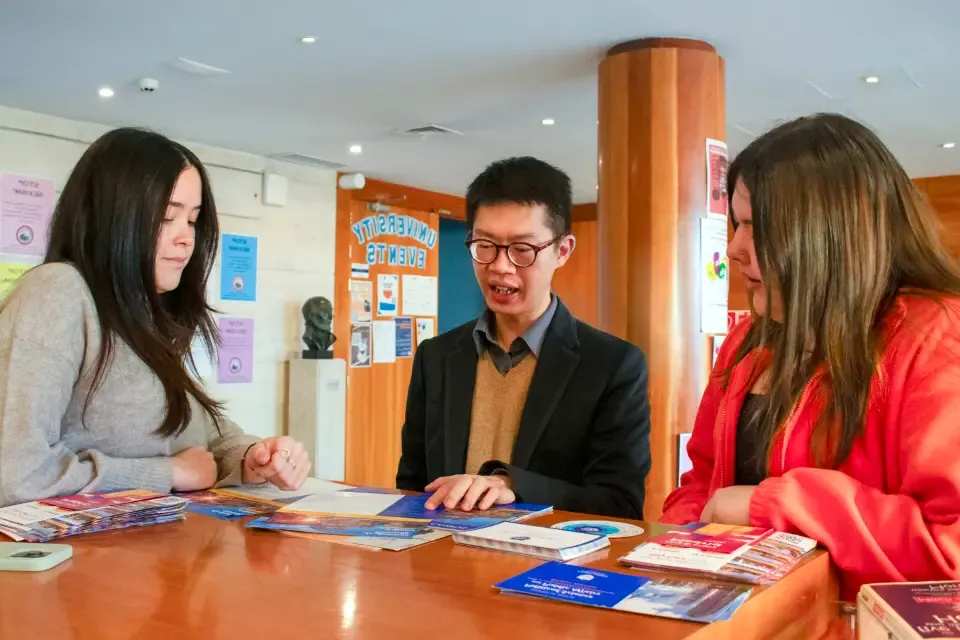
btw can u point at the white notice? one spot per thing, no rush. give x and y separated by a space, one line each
419 295
425 329
384 341
347 503
714 275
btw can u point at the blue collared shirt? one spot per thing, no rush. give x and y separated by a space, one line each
485 337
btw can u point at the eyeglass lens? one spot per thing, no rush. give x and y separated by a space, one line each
519 253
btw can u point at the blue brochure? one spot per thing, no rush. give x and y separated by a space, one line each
222 512
412 507
364 527
664 597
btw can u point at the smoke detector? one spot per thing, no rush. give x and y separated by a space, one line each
149 85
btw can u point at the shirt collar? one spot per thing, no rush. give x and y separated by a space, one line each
484 332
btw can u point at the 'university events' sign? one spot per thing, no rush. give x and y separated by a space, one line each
398 226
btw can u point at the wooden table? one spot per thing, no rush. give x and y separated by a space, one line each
207 578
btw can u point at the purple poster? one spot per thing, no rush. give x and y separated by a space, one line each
26 207
235 359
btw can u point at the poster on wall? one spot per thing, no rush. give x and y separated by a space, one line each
684 463
360 346
394 239
235 354
238 268
384 342
716 178
26 208
419 295
717 343
9 274
714 275
425 329
359 270
735 317
361 301
404 337
388 294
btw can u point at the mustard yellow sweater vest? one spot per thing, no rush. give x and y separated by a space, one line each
498 402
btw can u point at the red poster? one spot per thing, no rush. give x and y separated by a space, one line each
716 178
734 318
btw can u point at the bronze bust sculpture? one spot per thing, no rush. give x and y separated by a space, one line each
318 318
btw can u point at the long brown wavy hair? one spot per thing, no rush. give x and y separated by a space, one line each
106 224
840 231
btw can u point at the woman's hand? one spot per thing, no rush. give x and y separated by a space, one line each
279 460
194 469
730 505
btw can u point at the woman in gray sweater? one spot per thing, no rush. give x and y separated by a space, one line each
95 391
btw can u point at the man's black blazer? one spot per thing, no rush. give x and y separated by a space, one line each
584 438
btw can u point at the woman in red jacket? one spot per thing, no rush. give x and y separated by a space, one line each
835 411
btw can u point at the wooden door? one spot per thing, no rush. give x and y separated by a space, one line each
389 241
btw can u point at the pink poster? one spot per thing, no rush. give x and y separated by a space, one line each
734 318
716 178
235 358
26 207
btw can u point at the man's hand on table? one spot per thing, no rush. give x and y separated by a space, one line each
467 492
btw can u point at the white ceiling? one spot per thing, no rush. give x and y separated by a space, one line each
490 69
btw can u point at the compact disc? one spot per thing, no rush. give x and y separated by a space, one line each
607 528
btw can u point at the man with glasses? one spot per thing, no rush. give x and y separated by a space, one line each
526 403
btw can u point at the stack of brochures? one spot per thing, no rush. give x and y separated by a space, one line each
748 554
671 598
909 611
55 518
540 542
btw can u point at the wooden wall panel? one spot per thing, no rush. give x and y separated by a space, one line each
658 102
399 195
943 194
576 282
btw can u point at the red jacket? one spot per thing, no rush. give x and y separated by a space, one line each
891 511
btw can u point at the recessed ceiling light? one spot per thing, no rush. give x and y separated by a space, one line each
871 79
105 92
355 148
547 122
308 39
949 145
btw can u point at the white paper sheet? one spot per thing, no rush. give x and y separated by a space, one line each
384 341
419 295
425 329
267 491
714 275
344 503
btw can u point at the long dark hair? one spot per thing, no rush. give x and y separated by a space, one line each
106 225
840 231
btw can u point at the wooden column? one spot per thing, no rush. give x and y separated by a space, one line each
659 100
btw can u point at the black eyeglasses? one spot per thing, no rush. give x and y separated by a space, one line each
521 254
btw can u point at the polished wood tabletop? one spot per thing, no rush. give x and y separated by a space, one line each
208 578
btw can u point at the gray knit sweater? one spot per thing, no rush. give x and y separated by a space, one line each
49 342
